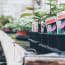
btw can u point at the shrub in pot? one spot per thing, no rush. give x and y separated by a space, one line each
53 10
22 32
39 16
9 28
14 28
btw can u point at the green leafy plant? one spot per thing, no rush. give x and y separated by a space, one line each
3 20
10 26
62 5
54 7
40 16
26 14
29 8
24 28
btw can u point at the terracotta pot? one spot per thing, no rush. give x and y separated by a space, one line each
21 33
6 29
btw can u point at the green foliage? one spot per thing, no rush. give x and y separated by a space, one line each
52 6
24 27
18 26
10 26
62 5
40 16
29 8
26 14
4 20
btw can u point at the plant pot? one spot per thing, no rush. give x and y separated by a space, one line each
7 30
21 35
53 41
39 27
61 22
24 33
51 25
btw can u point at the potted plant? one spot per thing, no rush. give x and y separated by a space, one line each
53 10
9 28
22 31
51 17
40 16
